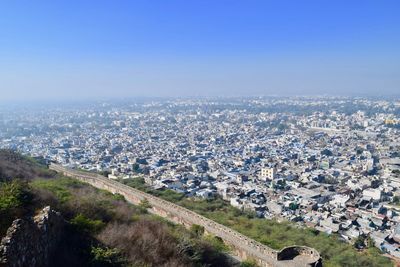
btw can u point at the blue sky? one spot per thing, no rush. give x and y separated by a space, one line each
97 49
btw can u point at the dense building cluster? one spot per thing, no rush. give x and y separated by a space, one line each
332 164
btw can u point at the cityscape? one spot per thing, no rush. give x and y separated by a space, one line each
327 163
205 133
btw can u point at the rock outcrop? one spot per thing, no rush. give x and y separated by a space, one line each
30 242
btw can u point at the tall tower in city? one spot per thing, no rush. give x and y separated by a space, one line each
268 174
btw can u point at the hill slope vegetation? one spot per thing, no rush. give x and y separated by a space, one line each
102 229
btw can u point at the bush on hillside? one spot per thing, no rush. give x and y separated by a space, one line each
107 257
14 198
85 224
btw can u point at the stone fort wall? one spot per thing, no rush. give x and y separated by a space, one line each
243 246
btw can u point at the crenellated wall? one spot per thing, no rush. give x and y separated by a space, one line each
243 246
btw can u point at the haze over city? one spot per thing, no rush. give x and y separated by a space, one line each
90 50
219 133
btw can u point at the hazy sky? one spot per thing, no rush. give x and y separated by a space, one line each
83 49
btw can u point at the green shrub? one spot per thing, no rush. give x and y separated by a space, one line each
197 230
145 204
118 197
107 257
59 187
248 263
85 224
13 195
217 243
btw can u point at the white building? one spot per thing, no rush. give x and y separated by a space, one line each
369 193
267 174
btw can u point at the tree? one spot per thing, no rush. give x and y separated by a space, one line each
359 243
396 200
293 206
369 242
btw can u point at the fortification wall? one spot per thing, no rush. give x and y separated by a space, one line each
244 247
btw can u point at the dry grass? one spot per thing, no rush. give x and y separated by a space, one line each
145 241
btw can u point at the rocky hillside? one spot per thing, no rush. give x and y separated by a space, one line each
100 229
32 241
14 165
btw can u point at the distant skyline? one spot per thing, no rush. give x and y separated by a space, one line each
71 50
